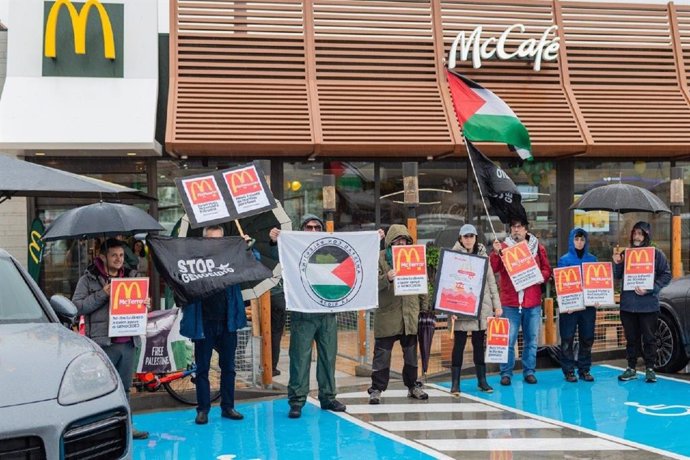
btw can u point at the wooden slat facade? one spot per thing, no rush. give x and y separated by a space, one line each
365 78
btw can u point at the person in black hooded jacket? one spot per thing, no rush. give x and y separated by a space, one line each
640 307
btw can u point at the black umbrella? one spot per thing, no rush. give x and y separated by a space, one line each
620 198
425 335
101 219
21 178
257 227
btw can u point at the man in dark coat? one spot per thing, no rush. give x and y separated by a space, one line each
640 307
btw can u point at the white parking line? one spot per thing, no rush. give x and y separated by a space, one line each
418 408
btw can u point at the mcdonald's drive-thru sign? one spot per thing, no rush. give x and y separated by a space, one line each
598 283
128 306
409 263
83 39
521 266
639 268
569 288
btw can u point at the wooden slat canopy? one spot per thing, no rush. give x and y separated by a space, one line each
365 78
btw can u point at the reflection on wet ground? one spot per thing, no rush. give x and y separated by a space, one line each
553 419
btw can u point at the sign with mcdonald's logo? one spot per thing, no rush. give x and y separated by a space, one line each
639 268
521 266
222 196
569 288
409 263
36 245
460 279
203 199
248 190
598 283
83 39
128 306
497 335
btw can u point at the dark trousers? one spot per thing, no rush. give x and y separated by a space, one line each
583 322
277 325
224 342
122 357
639 331
459 347
381 367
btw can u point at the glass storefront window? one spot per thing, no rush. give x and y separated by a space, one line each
609 229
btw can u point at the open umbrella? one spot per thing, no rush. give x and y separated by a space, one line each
101 219
425 335
22 178
258 227
620 198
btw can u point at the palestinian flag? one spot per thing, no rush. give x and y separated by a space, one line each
331 273
484 117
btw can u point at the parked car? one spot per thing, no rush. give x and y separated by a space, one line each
673 326
61 397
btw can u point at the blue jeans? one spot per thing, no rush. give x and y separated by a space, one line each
225 342
583 321
530 320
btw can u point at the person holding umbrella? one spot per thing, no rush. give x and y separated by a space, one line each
395 320
92 299
582 320
491 304
640 308
306 328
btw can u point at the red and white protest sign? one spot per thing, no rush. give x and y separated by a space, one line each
246 189
205 199
521 266
497 336
128 306
409 263
569 288
639 268
598 283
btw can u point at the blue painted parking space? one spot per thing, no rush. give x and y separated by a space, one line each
265 432
654 415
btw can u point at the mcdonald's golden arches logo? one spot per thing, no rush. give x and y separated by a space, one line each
598 275
639 260
128 296
36 246
410 260
497 331
568 280
243 182
79 21
202 190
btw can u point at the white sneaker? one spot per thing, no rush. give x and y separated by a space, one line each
374 396
417 393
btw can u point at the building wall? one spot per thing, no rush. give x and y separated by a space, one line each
12 212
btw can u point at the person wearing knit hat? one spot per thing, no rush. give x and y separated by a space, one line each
306 328
640 307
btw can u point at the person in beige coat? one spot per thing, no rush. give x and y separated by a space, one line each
491 304
395 320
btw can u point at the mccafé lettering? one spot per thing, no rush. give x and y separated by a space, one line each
544 49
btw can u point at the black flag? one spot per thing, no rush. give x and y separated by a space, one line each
198 267
497 187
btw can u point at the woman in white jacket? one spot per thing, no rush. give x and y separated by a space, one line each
467 242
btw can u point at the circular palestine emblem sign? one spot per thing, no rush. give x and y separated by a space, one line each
331 272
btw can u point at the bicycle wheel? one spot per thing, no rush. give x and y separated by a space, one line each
184 389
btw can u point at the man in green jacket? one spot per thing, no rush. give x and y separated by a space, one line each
395 320
306 328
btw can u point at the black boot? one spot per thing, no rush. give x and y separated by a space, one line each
482 385
455 381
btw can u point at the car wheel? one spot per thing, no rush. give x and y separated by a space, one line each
670 356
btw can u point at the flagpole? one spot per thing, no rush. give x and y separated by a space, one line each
476 179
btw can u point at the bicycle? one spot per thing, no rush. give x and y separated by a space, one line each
181 384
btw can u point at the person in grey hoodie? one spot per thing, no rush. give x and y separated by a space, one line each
640 308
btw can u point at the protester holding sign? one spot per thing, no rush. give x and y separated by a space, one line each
491 304
582 320
395 320
523 307
92 299
640 307
212 323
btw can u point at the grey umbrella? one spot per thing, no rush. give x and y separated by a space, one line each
21 178
101 219
620 198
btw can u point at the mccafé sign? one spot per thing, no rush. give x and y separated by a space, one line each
544 49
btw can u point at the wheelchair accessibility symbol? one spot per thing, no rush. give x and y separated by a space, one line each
661 410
